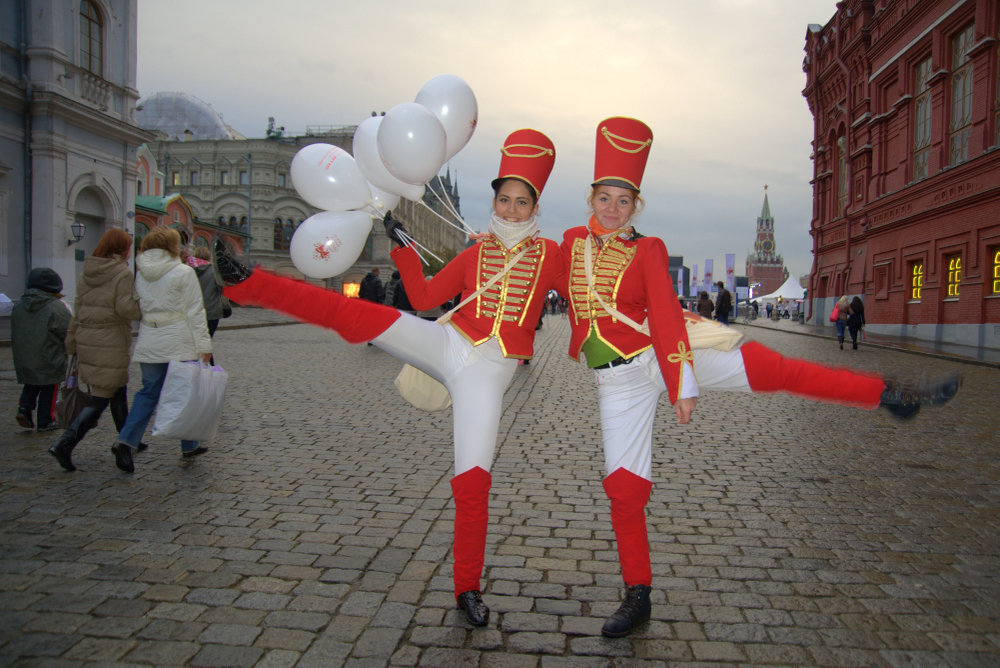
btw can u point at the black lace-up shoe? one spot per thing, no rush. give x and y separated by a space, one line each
634 610
393 228
475 610
231 270
903 398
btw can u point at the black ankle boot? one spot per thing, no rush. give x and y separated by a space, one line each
231 270
475 610
394 229
634 610
62 448
903 398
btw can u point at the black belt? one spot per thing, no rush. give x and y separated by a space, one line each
618 361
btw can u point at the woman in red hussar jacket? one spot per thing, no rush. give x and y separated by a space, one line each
475 354
635 363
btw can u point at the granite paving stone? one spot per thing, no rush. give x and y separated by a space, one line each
318 532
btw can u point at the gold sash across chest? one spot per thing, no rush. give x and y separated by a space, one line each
507 299
609 267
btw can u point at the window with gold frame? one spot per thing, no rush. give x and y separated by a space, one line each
954 275
996 270
916 280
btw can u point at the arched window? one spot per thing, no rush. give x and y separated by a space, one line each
91 39
244 224
278 233
842 190
222 221
232 221
283 231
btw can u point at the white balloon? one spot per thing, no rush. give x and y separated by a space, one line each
371 166
452 101
411 143
383 201
327 177
329 242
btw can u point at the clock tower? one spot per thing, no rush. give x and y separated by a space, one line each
764 265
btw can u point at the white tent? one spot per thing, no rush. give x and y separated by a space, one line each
790 290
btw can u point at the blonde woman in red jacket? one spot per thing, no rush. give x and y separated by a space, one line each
475 354
628 324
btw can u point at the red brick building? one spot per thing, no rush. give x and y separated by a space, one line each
905 96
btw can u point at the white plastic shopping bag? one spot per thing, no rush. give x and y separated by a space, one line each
190 405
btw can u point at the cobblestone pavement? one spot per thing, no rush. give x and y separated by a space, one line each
317 530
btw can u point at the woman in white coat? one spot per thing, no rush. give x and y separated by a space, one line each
173 328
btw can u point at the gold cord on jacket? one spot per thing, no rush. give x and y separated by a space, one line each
609 267
507 299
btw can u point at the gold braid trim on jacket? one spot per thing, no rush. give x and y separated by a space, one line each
507 299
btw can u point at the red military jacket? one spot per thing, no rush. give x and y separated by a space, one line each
634 278
509 310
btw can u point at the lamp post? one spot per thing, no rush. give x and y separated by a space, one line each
79 231
249 206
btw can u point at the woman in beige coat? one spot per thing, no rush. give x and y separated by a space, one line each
100 335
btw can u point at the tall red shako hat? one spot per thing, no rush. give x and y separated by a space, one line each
527 155
622 149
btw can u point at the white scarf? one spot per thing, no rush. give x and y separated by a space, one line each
511 234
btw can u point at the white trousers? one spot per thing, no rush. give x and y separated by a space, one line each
476 377
628 396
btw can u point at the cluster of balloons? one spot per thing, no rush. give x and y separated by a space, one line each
395 155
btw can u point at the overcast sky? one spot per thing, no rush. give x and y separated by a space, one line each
719 82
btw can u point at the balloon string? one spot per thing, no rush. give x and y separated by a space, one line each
413 242
464 228
447 203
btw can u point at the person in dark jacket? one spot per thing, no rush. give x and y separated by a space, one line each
211 290
372 288
38 325
705 305
724 304
399 299
855 319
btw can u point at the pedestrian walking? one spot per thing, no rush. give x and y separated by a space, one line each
705 305
100 335
173 328
628 324
843 312
723 304
38 325
371 287
855 320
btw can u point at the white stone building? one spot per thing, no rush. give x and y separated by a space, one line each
68 136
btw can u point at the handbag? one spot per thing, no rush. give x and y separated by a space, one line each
419 388
71 399
835 313
190 404
702 332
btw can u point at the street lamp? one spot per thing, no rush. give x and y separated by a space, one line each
79 230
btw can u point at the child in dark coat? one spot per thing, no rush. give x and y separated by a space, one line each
38 326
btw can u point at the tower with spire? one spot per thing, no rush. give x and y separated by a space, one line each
764 265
